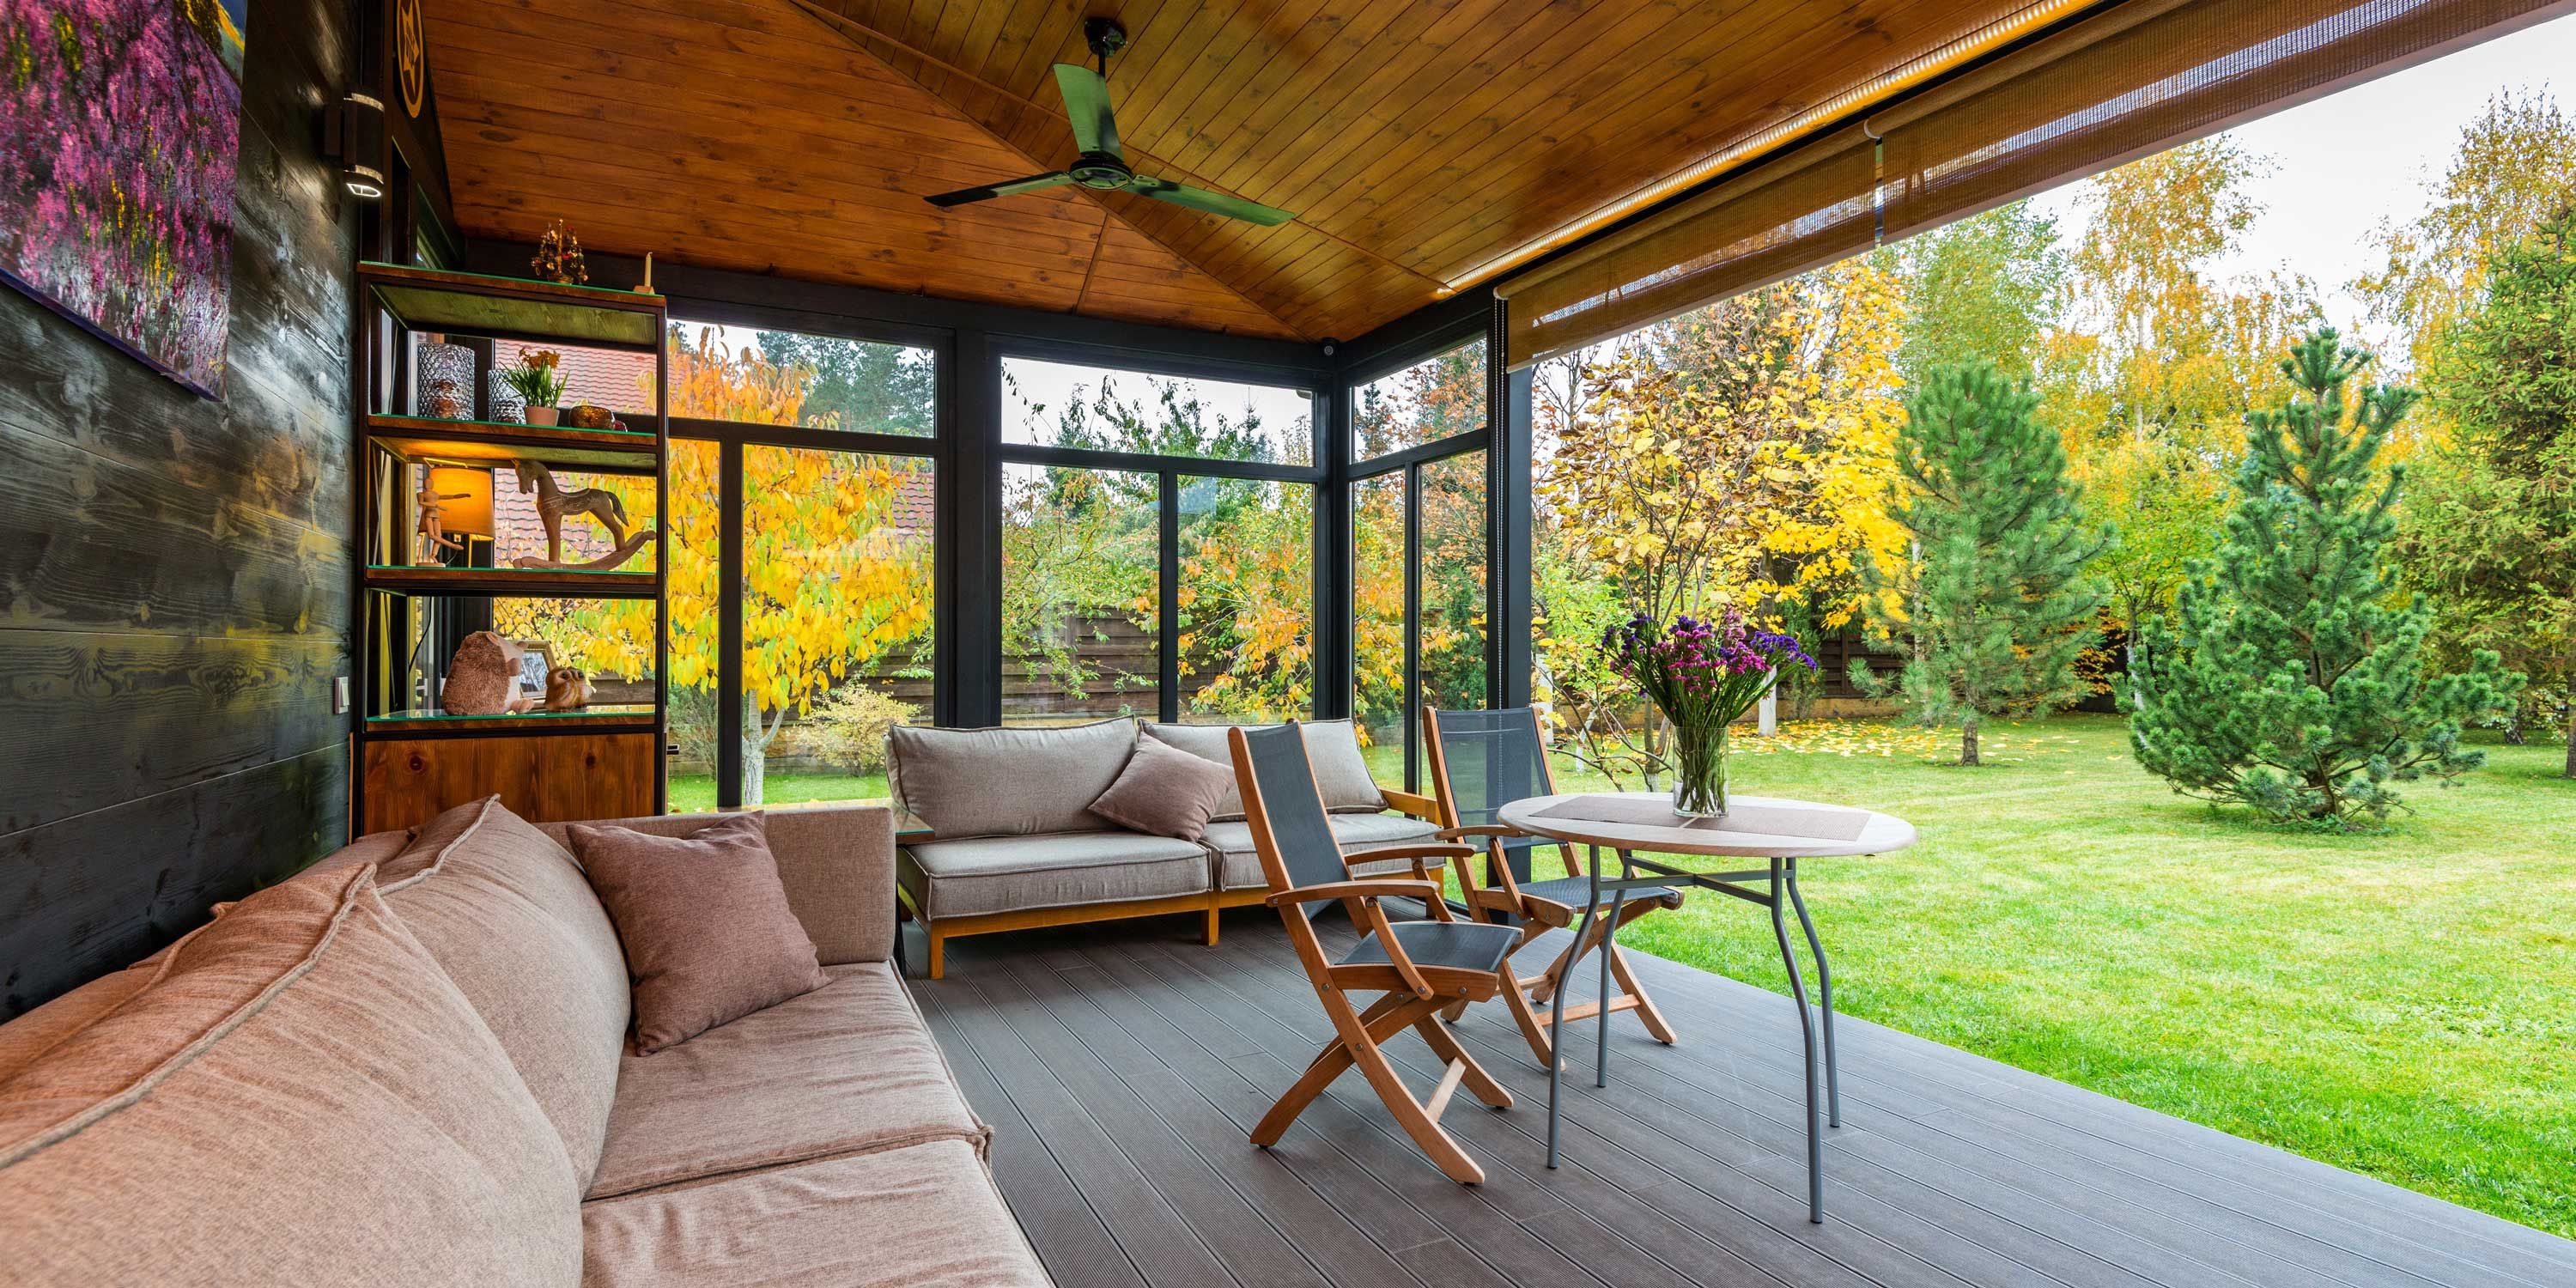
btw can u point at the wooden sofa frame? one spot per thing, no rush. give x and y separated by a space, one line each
938 931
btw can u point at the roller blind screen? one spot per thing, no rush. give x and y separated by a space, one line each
2135 79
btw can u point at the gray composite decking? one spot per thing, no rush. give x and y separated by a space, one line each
1121 1065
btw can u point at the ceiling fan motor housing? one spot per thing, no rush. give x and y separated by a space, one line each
1100 170
1104 35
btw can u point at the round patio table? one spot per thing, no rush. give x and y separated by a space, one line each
1780 832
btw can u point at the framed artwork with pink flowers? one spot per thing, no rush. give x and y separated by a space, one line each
119 124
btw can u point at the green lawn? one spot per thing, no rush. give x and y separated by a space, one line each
2402 1005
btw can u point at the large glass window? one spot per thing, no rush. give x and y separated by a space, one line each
761 377
1081 594
1452 622
1378 573
837 594
1247 600
1436 398
1052 404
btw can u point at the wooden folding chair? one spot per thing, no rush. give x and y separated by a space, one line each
1480 762
1422 967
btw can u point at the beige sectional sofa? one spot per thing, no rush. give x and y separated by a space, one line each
1011 842
408 1065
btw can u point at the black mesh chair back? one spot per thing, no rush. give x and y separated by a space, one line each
1283 776
1488 760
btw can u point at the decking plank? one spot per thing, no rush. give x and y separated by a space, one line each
1121 1066
1077 1248
1148 1230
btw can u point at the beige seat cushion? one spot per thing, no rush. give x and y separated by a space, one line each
922 1217
1332 747
847 1068
299 1096
1007 782
1238 865
1015 873
510 917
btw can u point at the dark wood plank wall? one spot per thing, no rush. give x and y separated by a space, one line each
174 572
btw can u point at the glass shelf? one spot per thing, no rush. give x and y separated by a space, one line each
515 308
623 716
624 451
620 711
572 583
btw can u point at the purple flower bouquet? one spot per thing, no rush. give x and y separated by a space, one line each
1702 676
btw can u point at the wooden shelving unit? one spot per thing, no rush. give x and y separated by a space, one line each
408 758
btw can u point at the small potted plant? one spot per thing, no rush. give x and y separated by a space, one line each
1702 676
539 379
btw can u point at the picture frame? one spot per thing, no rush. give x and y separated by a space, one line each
536 661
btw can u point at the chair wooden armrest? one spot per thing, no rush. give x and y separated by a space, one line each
1385 852
1421 855
1481 829
1421 807
1367 893
1389 887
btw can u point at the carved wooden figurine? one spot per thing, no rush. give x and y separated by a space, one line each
433 526
553 503
483 678
567 689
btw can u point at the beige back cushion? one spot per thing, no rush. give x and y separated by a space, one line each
835 862
1008 782
508 914
31 1035
298 1096
1332 746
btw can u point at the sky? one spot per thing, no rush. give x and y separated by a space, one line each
2344 163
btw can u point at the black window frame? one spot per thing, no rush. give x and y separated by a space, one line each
1167 471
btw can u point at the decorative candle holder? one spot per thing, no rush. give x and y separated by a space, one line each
443 381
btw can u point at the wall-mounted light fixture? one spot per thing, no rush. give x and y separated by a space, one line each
353 134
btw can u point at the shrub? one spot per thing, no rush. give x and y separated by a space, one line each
847 729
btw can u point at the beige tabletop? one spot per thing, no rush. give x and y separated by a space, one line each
1877 833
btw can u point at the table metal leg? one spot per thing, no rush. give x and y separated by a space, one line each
1824 994
1807 1030
1609 941
1556 1009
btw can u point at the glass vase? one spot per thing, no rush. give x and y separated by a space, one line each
1699 771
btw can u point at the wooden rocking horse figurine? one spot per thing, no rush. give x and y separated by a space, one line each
553 503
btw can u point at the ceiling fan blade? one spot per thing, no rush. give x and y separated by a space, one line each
1086 105
1034 183
1215 203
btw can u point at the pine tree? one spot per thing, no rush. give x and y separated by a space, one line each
2490 521
2287 682
1997 604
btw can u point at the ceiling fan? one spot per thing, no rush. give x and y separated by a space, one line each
1102 166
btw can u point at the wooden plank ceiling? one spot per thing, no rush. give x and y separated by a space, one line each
1415 140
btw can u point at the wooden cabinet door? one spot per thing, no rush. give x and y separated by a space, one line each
543 778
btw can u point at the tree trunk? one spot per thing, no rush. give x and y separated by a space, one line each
2571 731
756 737
1968 740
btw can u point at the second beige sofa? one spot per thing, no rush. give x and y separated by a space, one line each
1013 843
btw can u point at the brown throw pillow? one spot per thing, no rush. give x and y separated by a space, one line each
1165 791
705 924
